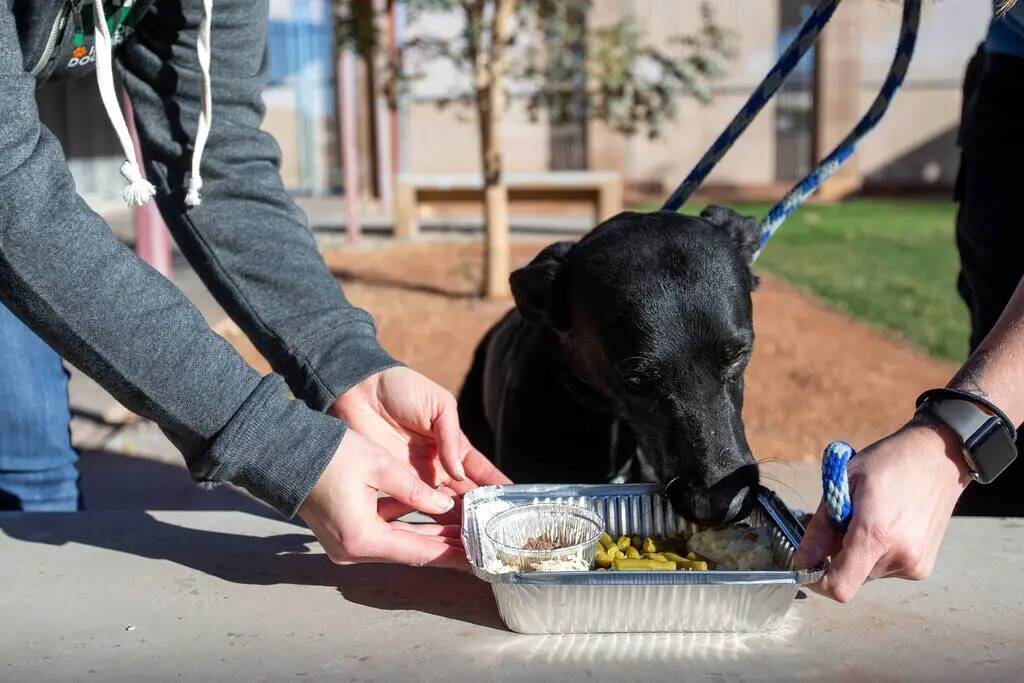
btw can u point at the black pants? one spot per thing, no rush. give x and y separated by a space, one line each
990 228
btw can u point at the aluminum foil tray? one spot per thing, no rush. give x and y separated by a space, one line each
626 602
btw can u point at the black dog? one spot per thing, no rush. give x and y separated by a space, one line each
624 361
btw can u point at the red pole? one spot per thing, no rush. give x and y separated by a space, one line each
393 112
152 241
346 80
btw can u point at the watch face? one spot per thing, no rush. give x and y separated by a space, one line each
989 451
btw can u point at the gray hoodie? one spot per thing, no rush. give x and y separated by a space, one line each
63 272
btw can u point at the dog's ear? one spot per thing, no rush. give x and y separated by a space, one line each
744 230
534 286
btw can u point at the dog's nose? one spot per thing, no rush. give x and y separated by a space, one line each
729 500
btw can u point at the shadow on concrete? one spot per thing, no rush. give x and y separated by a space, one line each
115 481
263 561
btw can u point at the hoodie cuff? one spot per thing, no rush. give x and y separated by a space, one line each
343 363
274 447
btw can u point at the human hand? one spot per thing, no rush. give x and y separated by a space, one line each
354 524
417 421
903 489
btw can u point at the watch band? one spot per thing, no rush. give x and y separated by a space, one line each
978 401
987 437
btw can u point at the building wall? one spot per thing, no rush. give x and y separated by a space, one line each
666 160
445 140
914 145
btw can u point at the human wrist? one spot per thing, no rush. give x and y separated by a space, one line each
985 375
937 438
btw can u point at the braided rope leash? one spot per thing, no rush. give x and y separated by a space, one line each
755 103
835 483
836 458
845 149
834 477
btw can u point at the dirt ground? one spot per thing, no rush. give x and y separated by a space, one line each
815 375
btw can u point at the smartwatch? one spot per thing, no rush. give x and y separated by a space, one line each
988 439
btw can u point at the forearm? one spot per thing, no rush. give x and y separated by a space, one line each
248 240
63 273
995 370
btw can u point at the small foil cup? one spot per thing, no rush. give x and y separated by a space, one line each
574 530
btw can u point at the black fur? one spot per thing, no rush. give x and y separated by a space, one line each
624 361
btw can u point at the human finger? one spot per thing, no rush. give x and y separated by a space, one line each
401 483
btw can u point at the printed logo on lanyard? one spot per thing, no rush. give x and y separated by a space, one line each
120 23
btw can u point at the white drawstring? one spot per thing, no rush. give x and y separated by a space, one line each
138 191
195 183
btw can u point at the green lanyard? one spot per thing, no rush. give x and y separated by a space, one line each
120 22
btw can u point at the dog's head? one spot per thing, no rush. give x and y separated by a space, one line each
653 314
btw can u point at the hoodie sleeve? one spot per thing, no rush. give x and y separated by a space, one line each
248 241
63 272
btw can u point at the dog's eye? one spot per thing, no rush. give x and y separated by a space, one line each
735 362
635 381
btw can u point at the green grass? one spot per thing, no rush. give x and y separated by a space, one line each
892 264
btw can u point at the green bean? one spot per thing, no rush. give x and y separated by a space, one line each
692 565
642 565
606 541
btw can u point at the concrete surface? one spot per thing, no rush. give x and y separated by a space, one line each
231 596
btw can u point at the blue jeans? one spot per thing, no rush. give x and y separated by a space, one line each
37 461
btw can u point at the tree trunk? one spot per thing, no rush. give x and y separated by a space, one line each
490 99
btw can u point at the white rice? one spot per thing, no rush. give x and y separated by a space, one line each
568 564
735 548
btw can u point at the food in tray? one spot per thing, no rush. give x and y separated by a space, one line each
739 548
567 564
560 538
545 537
647 554
539 544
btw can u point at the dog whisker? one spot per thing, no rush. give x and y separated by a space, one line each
779 482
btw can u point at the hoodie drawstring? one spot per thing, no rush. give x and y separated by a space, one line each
195 183
139 191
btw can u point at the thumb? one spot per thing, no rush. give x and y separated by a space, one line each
820 540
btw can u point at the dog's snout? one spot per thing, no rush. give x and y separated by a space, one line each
730 499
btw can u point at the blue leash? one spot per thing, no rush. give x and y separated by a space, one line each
755 103
845 149
835 482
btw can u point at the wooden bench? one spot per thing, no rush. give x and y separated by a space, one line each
600 189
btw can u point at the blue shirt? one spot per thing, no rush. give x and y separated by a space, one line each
1006 32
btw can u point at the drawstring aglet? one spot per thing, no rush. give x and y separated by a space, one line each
138 191
192 197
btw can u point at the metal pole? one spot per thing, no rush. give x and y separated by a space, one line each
152 241
393 49
346 84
